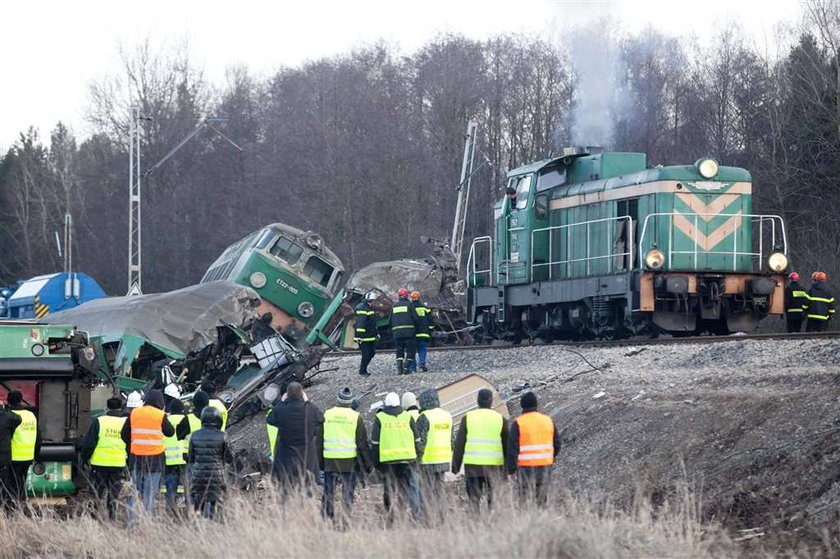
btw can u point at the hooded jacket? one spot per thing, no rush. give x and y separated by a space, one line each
298 425
428 400
207 455
377 427
156 462
8 423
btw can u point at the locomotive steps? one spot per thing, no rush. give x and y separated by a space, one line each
750 425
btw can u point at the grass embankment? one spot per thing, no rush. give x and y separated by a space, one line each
262 527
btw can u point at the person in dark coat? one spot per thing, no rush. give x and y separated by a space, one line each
20 468
403 330
105 480
796 300
534 479
299 423
8 423
206 458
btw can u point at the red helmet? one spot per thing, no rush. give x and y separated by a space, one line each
793 276
403 292
821 276
814 276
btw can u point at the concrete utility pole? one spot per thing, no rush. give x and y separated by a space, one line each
135 266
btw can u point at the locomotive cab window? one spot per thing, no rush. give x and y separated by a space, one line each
541 206
265 238
523 188
551 179
287 249
318 271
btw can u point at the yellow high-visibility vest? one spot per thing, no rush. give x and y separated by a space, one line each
396 438
172 447
340 433
272 434
195 425
24 437
439 438
219 405
110 448
484 438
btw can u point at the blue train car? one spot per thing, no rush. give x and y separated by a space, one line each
41 295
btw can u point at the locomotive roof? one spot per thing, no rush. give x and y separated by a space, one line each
300 235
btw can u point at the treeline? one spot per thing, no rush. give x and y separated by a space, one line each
366 147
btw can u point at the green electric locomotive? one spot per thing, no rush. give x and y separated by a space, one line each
295 274
599 245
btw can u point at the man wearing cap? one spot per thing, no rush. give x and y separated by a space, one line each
424 330
8 423
435 428
365 332
403 330
533 444
104 450
796 300
344 452
480 447
396 444
144 432
26 444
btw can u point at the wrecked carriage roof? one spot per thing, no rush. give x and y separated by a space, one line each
179 321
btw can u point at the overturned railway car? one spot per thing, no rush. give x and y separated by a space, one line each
600 245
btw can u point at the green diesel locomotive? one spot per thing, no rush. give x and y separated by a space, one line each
598 245
295 274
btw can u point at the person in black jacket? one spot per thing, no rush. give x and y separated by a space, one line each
8 423
403 330
365 332
20 468
819 306
207 455
106 481
423 321
299 422
795 302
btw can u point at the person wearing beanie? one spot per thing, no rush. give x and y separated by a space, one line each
105 451
396 444
408 402
299 424
480 446
343 451
192 421
533 443
26 444
9 421
435 428
144 432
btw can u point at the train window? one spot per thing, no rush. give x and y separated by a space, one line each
523 188
286 249
550 179
318 271
541 206
265 238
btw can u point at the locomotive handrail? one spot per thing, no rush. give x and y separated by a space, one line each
569 261
471 260
735 253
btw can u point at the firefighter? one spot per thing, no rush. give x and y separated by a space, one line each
795 301
424 330
480 447
819 303
532 445
26 443
103 448
365 334
403 330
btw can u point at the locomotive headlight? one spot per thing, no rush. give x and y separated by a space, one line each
654 259
258 280
777 262
306 309
708 168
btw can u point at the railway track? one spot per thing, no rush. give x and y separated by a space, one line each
630 342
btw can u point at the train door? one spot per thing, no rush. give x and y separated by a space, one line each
626 234
515 262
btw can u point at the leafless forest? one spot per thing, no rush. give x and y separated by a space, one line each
365 147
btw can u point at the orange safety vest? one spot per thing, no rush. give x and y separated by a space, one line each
146 431
536 440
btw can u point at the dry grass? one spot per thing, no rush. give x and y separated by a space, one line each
259 526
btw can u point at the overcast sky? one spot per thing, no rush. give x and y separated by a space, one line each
51 50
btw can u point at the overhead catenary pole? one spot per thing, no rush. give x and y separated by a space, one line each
457 239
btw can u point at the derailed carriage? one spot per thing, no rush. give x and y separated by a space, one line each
600 245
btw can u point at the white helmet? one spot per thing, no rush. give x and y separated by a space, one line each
172 390
370 296
408 400
135 400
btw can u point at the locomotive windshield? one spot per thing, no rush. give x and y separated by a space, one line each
318 271
286 249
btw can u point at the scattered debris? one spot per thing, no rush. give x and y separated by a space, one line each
637 396
635 351
599 395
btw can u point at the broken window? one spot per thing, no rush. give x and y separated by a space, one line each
318 271
287 249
